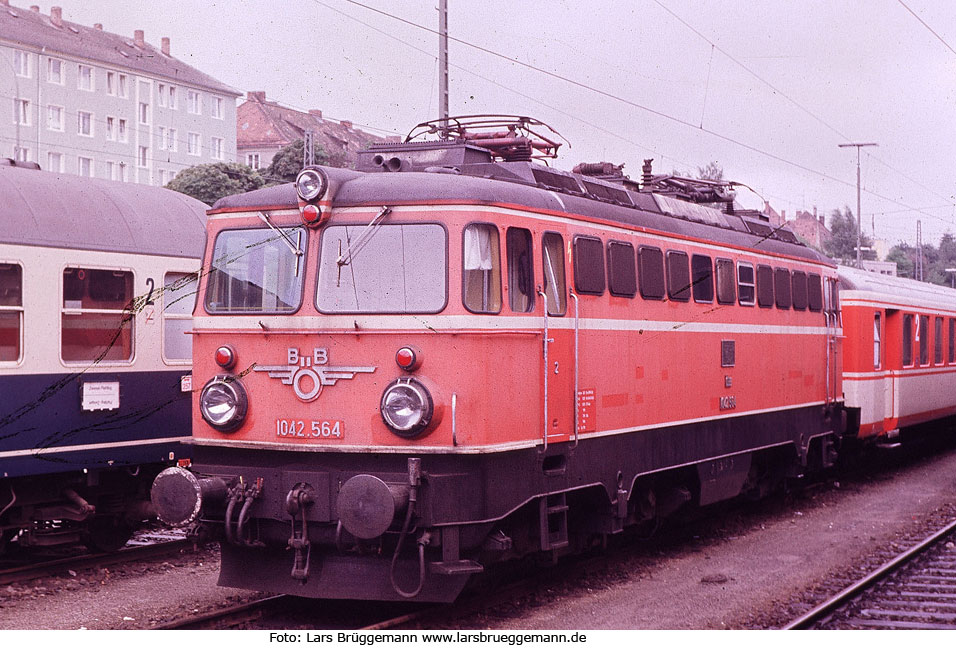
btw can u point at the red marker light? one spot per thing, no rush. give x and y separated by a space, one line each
225 356
312 215
408 358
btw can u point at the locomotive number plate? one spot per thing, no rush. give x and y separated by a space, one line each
314 429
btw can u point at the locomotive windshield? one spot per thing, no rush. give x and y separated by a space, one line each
399 269
255 271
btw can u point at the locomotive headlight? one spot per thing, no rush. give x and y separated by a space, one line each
407 407
223 403
311 184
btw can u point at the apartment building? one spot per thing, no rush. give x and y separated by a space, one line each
82 100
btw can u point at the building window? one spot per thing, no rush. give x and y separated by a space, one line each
172 98
11 312
121 133
194 102
702 277
142 157
116 84
179 298
54 71
192 144
54 161
215 144
520 270
171 142
252 159
143 113
54 118
161 137
21 154
21 111
481 269
116 171
84 77
161 94
96 325
84 123
621 269
589 265
84 166
217 105
21 63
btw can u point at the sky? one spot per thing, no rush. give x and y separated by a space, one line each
768 90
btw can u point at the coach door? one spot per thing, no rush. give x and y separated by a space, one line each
559 367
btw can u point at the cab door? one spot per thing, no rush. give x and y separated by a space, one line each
559 352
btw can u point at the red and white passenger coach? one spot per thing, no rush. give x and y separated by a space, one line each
456 355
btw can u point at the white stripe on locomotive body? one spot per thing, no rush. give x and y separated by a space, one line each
52 451
42 292
531 324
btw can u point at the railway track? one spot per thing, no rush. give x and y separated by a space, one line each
916 590
131 553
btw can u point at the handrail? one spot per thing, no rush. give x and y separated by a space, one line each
547 340
574 401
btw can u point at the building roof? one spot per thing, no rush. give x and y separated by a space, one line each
30 29
267 124
66 211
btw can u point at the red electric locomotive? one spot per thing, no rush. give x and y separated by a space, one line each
456 355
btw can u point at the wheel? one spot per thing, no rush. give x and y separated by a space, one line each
107 534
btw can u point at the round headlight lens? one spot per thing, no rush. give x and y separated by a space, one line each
311 184
223 403
407 407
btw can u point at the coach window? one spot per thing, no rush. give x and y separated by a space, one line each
814 292
392 268
938 341
179 298
702 277
951 355
908 340
678 276
765 286
589 265
922 332
798 282
877 338
726 284
781 288
520 270
746 287
651 261
621 272
481 269
555 286
11 311
258 270
96 323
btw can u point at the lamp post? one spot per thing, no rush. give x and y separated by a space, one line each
859 223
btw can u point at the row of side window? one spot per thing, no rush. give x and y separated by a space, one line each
922 334
656 274
95 322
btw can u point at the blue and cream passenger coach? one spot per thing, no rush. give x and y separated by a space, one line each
97 288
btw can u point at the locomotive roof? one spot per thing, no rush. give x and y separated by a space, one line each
509 186
61 210
902 290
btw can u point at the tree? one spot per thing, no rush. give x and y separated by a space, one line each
212 181
711 172
287 162
842 243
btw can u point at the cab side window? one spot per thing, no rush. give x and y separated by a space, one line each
481 269
11 312
520 270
